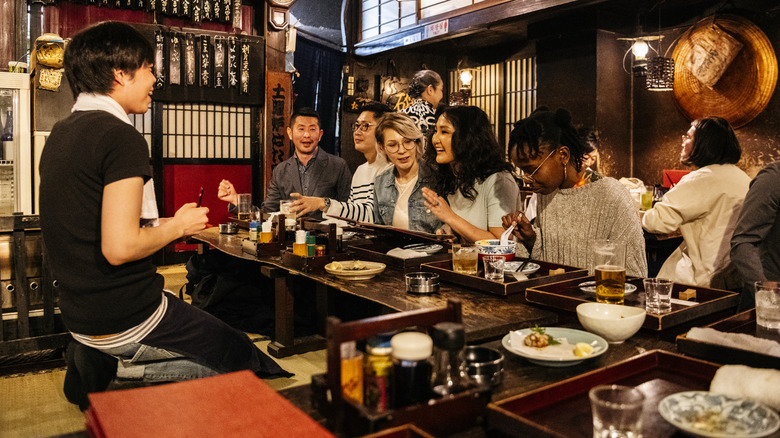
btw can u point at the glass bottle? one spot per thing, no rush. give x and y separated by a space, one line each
449 374
378 375
411 368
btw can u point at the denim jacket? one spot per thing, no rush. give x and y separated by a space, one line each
386 195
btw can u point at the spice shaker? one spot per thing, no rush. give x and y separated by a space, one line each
412 368
449 375
378 374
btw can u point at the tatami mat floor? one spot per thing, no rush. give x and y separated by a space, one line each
33 405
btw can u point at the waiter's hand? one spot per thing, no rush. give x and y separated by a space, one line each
191 219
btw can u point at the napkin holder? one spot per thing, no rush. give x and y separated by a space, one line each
439 417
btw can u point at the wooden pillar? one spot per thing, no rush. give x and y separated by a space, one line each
278 100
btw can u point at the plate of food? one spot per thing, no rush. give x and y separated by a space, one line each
355 269
529 268
554 346
589 287
428 248
706 414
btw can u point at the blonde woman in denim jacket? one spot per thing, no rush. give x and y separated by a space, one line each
398 199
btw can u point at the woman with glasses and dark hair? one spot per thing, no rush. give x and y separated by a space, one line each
398 197
474 184
427 90
548 152
704 206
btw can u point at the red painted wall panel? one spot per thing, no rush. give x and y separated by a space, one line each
182 183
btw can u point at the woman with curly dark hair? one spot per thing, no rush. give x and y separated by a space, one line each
474 186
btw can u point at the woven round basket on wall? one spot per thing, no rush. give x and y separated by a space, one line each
745 87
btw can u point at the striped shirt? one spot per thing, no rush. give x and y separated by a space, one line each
360 205
129 336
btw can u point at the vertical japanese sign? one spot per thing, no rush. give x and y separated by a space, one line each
278 104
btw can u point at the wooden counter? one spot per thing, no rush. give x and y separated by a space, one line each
485 316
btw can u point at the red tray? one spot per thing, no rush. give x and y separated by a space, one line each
563 409
566 295
540 277
744 322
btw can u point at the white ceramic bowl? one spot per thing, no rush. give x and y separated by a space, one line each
492 247
613 322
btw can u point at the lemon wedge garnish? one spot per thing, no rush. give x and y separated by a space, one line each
582 349
336 266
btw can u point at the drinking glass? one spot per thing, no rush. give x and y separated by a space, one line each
617 411
609 259
285 208
244 206
464 258
494 267
768 304
658 295
646 199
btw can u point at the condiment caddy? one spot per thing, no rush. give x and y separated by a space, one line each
309 254
411 353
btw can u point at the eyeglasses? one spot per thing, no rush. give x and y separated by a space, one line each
393 147
528 179
686 137
362 126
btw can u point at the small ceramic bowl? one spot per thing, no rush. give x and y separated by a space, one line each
422 282
228 228
492 247
485 366
613 322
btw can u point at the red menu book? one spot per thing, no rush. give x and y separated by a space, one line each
230 405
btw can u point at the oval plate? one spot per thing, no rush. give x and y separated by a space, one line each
535 355
428 248
529 269
346 272
589 287
705 414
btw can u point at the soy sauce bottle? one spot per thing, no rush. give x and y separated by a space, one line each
449 374
412 368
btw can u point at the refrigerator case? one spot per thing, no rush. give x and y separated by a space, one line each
16 181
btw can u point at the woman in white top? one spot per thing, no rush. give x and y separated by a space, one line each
398 197
704 206
474 185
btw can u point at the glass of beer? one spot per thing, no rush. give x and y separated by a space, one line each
464 258
609 259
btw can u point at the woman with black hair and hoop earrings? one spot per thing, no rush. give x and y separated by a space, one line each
548 151
427 90
474 187
704 206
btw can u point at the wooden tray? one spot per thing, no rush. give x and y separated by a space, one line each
508 287
376 251
563 409
566 295
744 322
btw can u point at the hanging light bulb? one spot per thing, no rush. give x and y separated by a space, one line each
639 49
466 77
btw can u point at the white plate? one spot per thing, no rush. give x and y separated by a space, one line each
589 287
571 336
372 269
529 269
428 248
705 414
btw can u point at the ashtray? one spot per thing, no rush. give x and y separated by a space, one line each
485 366
228 228
422 282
